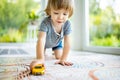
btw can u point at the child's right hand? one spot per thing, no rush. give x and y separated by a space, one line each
35 62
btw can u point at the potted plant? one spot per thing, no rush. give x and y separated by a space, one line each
32 16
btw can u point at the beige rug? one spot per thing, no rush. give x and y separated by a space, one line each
87 66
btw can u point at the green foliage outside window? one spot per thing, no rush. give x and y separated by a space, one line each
14 19
104 25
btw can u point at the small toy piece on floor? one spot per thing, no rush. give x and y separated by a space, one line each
38 69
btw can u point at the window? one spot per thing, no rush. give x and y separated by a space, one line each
102 26
15 17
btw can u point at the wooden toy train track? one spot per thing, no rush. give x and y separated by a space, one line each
15 72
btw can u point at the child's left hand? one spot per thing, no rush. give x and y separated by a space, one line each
64 63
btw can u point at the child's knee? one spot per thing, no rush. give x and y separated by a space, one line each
57 58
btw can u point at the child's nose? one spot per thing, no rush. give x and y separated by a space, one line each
60 16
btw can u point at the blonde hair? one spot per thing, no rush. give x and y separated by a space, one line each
60 4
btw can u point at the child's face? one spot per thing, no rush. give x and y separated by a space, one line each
59 17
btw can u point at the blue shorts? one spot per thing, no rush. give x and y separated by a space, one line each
58 47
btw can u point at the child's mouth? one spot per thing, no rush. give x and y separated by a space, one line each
59 22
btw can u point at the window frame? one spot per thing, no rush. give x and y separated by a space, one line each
86 46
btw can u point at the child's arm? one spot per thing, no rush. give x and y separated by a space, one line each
39 49
66 50
40 46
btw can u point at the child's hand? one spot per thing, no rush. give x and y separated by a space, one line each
64 63
35 62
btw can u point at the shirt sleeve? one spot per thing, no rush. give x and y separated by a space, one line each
67 28
43 27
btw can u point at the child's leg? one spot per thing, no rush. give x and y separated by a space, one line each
58 50
58 53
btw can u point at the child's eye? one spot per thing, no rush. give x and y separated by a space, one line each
65 14
55 13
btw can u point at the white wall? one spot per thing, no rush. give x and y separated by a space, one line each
77 26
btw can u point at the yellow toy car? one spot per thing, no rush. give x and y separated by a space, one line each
39 69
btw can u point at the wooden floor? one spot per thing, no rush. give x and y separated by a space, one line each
87 66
